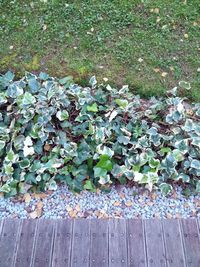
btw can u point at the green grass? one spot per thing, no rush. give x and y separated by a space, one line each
105 38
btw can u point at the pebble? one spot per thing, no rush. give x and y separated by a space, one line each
125 202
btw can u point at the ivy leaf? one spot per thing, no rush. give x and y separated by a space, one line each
33 84
89 186
104 179
28 99
98 171
195 164
24 163
93 81
122 103
14 90
2 144
62 115
105 163
43 76
92 108
154 163
5 188
165 188
198 186
9 76
123 139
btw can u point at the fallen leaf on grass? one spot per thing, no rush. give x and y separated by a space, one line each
105 79
158 19
156 70
156 10
140 59
164 74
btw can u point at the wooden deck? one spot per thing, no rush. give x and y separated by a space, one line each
102 243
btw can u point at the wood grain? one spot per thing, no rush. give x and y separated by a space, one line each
136 243
190 234
155 243
117 243
62 243
99 243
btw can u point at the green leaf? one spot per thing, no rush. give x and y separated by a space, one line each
105 163
62 115
28 99
154 163
66 81
198 186
123 139
122 103
5 188
2 144
24 163
93 81
195 164
30 178
98 172
104 179
34 85
11 156
8 168
92 108
43 76
89 186
52 185
9 76
165 188
3 98
178 155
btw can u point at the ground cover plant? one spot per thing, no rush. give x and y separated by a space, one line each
55 131
150 45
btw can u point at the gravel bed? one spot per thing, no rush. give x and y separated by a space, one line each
121 202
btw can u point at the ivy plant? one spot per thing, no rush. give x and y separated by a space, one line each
55 131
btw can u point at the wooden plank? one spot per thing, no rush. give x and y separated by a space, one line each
136 243
154 243
44 243
173 243
8 242
80 243
117 243
190 234
62 243
99 243
26 243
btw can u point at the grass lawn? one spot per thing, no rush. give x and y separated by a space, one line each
150 45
